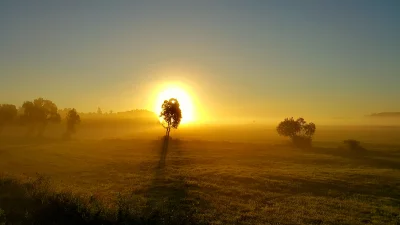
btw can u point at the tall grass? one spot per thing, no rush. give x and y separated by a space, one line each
35 201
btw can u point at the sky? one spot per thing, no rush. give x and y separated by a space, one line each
237 59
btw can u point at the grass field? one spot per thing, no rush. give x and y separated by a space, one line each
213 179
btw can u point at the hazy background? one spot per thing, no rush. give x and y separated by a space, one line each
331 62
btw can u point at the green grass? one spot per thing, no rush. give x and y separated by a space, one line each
199 182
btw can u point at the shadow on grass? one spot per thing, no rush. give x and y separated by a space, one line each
168 196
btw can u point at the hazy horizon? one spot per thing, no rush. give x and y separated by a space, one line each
236 60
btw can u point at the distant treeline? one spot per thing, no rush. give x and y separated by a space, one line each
386 115
37 114
137 114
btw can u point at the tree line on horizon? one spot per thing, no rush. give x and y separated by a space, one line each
38 113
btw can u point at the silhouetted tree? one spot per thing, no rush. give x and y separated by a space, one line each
72 119
298 130
99 111
7 114
40 112
171 115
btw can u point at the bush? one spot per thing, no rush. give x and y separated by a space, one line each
353 144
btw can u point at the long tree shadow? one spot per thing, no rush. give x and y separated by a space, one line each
168 195
163 154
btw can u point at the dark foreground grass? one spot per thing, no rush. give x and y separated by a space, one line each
35 202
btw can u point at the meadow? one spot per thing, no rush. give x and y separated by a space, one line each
206 175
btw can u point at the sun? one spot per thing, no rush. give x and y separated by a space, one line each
183 97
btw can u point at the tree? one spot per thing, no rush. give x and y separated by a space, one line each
298 130
40 112
72 119
171 115
7 114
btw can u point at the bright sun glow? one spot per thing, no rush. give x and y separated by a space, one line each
186 103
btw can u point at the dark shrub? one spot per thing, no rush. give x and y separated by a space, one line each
353 144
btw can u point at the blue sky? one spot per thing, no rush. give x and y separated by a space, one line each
254 58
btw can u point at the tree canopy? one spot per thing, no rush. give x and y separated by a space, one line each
171 115
291 128
298 130
72 119
7 112
40 111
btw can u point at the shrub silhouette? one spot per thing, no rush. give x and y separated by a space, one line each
171 115
353 144
72 119
7 114
299 131
40 112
